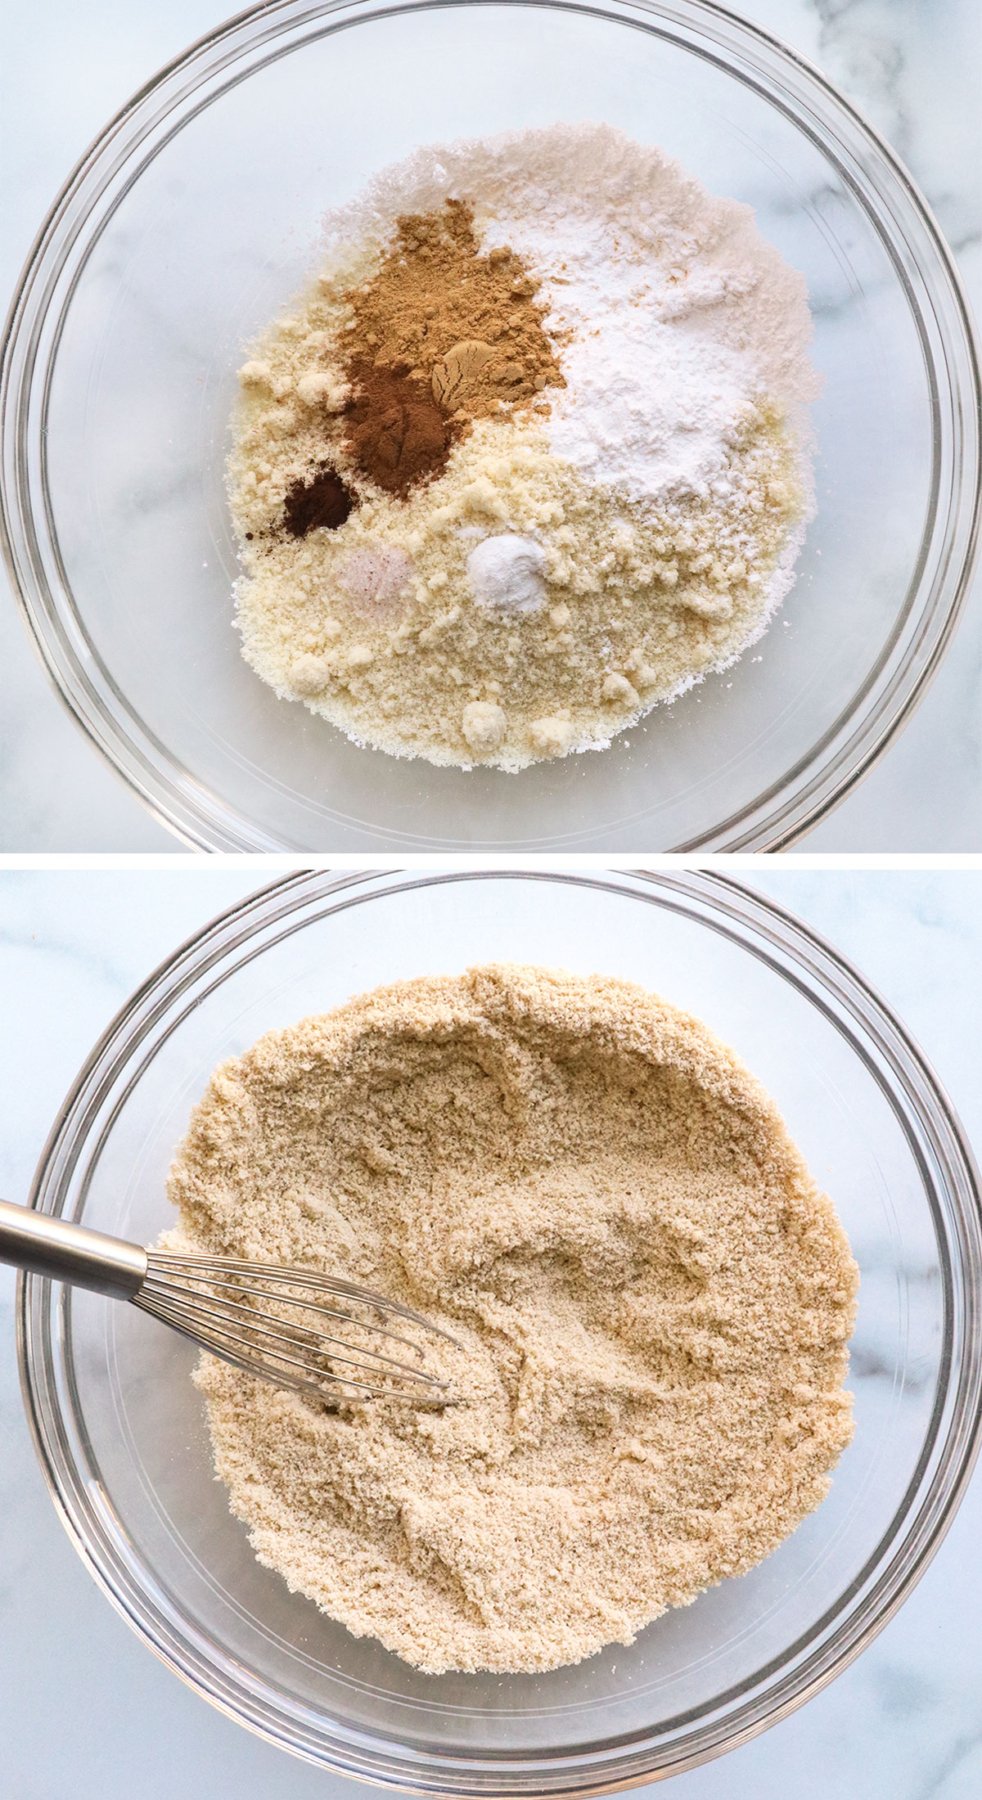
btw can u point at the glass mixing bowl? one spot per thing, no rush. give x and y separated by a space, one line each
194 219
120 1429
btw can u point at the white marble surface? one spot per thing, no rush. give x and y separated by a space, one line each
906 62
87 1713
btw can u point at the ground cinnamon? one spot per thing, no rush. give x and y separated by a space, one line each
397 434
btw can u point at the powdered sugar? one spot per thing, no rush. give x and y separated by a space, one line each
642 412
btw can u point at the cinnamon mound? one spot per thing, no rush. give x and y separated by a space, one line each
397 433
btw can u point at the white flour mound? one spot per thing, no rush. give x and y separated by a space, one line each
676 319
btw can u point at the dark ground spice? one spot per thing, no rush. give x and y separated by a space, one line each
322 501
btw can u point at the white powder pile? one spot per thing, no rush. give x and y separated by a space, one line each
586 552
506 573
653 1298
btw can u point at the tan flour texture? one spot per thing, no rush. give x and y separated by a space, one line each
639 603
653 1297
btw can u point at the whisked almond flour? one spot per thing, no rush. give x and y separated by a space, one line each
654 1299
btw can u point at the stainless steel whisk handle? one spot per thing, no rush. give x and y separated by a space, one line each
66 1252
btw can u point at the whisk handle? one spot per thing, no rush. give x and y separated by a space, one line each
66 1252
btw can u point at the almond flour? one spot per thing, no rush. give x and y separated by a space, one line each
653 1297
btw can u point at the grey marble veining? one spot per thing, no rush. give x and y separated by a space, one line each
904 62
87 1713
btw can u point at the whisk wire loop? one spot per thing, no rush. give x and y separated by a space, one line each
265 1318
257 1332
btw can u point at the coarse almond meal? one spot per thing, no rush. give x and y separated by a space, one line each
654 1299
529 457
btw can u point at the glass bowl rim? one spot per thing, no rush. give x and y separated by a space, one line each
759 926
912 650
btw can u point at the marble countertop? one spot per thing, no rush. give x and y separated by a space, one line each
900 60
87 1713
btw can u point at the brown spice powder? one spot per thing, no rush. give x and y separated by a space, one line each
323 500
397 434
595 1195
439 336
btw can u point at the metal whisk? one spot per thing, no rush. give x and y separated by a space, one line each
293 1327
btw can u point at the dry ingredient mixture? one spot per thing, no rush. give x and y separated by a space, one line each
653 1297
531 455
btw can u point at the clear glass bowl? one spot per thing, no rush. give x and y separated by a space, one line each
120 1430
195 218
